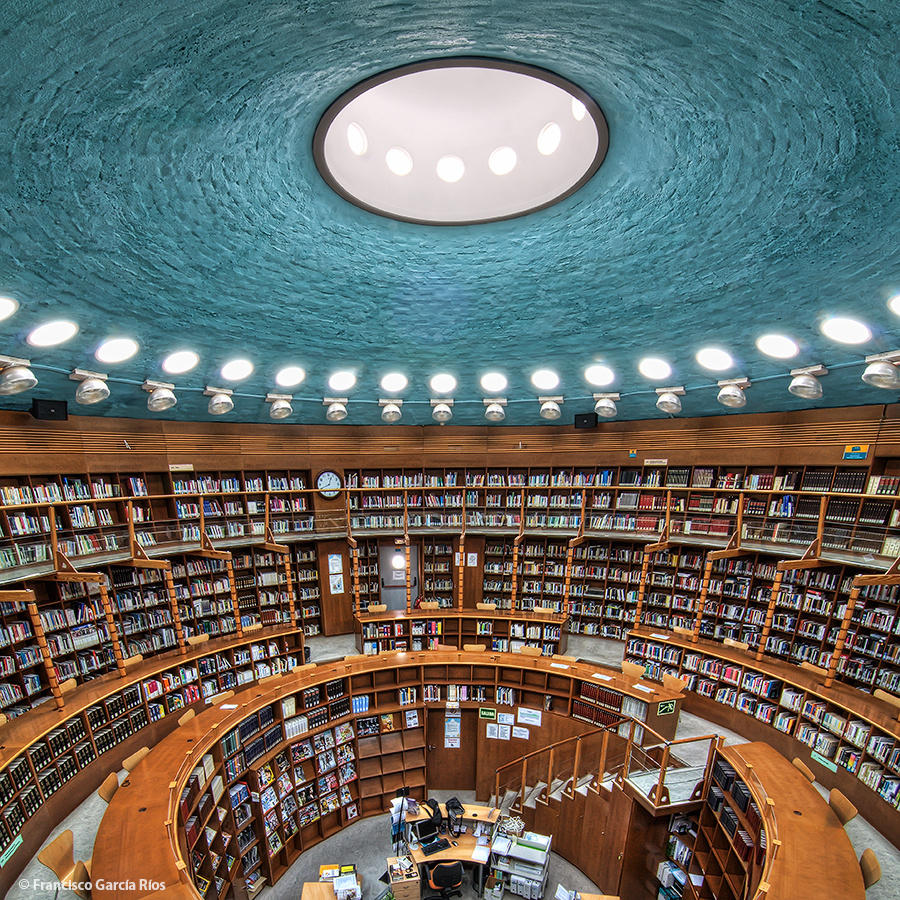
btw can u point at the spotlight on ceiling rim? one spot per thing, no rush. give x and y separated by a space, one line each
731 393
805 382
162 395
390 410
493 409
606 405
441 411
881 371
669 399
220 401
550 408
335 408
16 376
92 387
281 405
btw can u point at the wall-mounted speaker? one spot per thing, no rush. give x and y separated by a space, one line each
586 420
54 410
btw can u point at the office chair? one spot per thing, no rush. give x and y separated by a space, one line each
447 878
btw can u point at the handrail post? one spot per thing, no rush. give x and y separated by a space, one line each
524 782
660 783
628 749
549 775
576 765
604 752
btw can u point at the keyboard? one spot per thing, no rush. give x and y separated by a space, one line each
435 846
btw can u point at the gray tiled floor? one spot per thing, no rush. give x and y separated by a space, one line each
367 842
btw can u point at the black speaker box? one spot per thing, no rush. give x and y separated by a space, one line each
586 420
55 410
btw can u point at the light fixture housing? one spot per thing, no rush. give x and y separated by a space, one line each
92 387
220 401
805 382
882 370
335 408
669 399
731 393
494 409
433 142
390 410
162 395
280 405
16 375
550 408
442 411
606 405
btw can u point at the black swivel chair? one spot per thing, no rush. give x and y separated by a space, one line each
447 878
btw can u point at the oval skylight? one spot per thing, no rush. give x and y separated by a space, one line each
342 381
180 361
599 375
545 379
715 359
778 346
442 383
52 333
493 382
446 118
654 368
845 330
236 369
394 382
290 376
116 350
8 305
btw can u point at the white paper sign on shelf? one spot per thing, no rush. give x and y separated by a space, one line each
558 666
491 730
520 732
640 687
529 716
601 677
503 732
505 718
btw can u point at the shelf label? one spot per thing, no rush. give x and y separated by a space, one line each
665 708
8 852
656 462
181 467
856 451
485 713
823 761
600 677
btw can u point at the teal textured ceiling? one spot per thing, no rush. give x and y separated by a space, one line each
158 182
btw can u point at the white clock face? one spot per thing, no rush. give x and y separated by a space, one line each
328 484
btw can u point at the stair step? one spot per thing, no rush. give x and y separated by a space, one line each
582 784
558 786
532 794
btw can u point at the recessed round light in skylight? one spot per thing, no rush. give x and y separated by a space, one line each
599 375
442 383
8 305
116 350
714 358
548 139
450 169
236 370
356 139
493 382
342 380
654 368
778 346
394 382
502 160
52 333
399 161
180 362
545 379
894 304
845 330
290 376
442 120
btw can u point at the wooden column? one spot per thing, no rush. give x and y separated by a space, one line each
229 568
701 600
642 587
406 551
570 553
515 560
770 615
173 606
354 558
461 568
289 581
49 668
112 629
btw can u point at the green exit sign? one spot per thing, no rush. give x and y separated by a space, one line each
484 713
666 708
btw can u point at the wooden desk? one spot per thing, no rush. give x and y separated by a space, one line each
466 843
815 857
317 890
472 812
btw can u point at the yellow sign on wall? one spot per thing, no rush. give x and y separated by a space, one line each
856 451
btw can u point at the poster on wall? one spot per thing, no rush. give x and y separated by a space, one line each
490 730
336 584
519 732
529 716
471 559
335 563
503 732
451 730
506 719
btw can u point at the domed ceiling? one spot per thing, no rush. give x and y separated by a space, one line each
159 183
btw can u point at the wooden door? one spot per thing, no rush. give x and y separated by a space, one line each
451 769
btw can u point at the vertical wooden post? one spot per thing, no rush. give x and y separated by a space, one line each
289 581
354 557
173 606
112 629
129 515
820 528
842 636
642 588
229 568
668 510
604 755
576 765
49 668
54 538
461 568
515 560
701 600
770 615
406 550
656 798
549 775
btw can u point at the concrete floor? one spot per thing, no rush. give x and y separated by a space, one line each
373 833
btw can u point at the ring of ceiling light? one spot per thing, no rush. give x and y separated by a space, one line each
460 141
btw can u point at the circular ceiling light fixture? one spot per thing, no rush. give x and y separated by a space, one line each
845 330
161 398
493 382
336 411
669 402
394 382
599 375
52 333
731 393
8 305
893 305
494 412
236 370
391 413
882 373
654 368
290 376
550 410
279 405
180 362
714 358
342 381
805 382
442 383
442 413
16 377
440 120
778 346
606 407
545 379
92 387
116 350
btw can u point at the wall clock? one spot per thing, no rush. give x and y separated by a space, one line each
328 484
